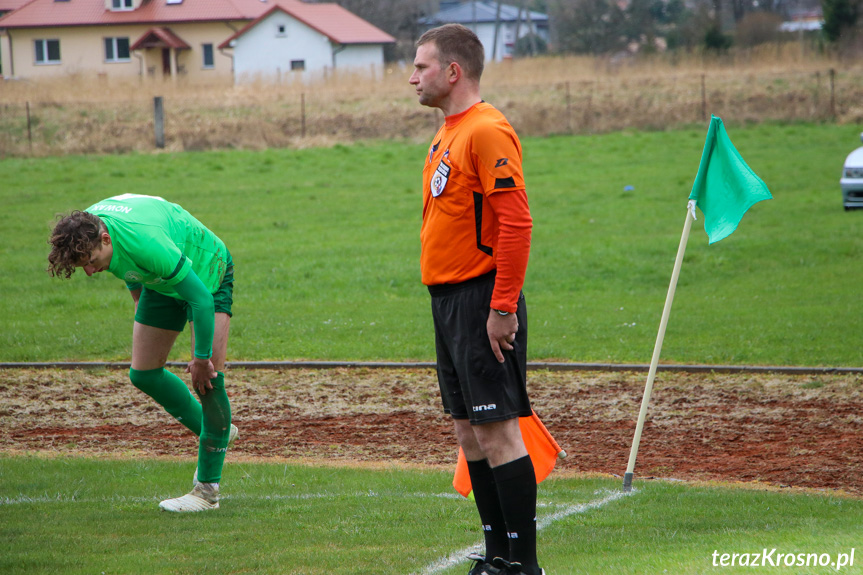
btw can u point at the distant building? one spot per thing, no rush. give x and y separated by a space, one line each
803 21
310 38
201 40
484 17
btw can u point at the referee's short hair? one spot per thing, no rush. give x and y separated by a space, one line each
457 43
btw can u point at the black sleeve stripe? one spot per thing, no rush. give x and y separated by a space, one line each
178 268
477 214
504 183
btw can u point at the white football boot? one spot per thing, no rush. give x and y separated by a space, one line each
203 497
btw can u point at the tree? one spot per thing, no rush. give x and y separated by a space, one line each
640 24
587 26
716 41
840 16
524 46
687 28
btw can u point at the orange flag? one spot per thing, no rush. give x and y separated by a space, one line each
541 447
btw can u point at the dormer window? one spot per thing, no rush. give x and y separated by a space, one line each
122 5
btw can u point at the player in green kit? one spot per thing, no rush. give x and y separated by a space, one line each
176 270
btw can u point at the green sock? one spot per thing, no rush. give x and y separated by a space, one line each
216 428
170 392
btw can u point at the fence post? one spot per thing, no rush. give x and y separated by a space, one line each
832 93
568 109
29 132
817 94
703 100
303 114
159 121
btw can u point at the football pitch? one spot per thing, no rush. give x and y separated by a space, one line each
326 248
323 480
79 515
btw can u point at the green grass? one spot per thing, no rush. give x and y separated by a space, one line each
326 246
75 515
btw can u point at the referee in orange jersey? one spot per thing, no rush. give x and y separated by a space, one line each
475 244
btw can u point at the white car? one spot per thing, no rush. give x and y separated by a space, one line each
852 179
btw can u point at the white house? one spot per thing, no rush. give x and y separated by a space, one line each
305 40
483 17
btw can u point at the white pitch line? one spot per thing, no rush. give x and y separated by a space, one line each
61 498
460 555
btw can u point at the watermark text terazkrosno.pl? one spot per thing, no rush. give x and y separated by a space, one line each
775 558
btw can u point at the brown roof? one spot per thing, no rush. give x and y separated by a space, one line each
338 24
49 13
331 20
160 38
7 5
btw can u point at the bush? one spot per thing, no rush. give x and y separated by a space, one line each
716 41
758 28
525 46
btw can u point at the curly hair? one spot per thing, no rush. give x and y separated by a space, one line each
74 238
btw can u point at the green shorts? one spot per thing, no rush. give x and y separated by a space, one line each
166 312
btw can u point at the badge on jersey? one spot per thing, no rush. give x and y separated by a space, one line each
439 179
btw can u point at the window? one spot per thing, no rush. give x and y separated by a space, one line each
207 49
117 50
298 65
281 31
47 51
122 4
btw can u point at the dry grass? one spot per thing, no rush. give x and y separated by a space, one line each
540 97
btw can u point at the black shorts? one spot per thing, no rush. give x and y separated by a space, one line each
473 384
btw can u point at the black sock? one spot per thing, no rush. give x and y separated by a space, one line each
516 487
488 504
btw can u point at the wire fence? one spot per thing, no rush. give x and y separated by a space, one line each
314 115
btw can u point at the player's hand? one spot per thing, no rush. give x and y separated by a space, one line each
202 371
501 332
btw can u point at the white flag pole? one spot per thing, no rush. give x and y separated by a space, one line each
651 374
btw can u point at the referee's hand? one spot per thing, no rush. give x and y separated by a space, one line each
501 332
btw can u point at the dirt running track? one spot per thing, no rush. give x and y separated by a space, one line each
798 431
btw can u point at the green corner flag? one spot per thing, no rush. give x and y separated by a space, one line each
725 187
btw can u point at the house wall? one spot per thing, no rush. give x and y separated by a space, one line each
361 57
82 52
263 52
192 61
485 33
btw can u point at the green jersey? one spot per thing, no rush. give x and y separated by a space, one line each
157 243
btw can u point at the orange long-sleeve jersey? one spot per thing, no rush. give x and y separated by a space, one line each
475 212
